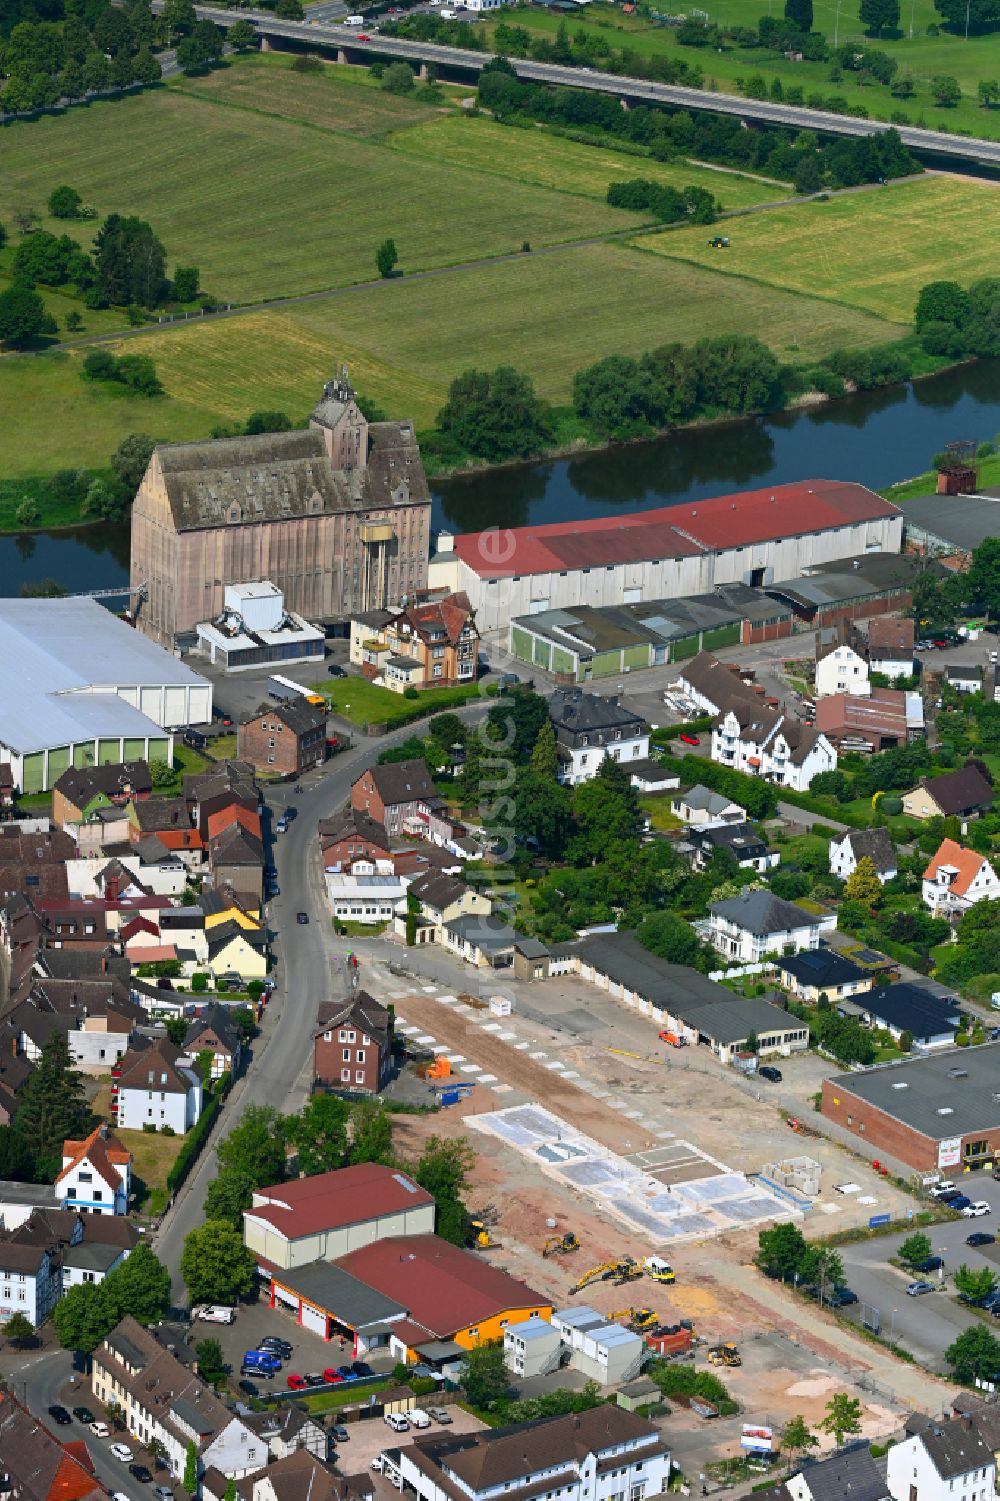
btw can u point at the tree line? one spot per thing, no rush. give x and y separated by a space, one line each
954 321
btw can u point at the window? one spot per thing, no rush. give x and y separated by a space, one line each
347 1055
359 1076
345 1076
361 1055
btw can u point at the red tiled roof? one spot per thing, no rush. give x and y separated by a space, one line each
103 1151
223 818
444 1287
967 863
347 1196
723 521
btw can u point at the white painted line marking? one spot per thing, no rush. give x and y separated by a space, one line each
426 1037
487 1078
455 1057
491 1026
537 1055
507 1036
571 1073
522 1047
429 989
449 1000
503 1088
634 1115
469 1068
556 1065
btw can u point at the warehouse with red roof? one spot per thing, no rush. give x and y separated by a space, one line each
752 537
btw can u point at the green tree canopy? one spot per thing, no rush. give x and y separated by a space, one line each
319 1134
484 1375
975 1353
495 414
371 1133
255 1147
22 315
780 1251
843 1416
444 1169
216 1265
51 1105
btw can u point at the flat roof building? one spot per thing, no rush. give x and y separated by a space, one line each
938 1111
79 687
951 523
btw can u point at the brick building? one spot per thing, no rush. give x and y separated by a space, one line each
394 793
938 1112
352 1045
431 645
352 835
286 738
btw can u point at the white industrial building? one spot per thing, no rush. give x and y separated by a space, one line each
79 687
601 1350
255 629
753 537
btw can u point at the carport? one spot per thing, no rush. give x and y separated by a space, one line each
333 1304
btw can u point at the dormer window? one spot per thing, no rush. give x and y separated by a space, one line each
234 513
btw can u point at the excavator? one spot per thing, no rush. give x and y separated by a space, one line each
727 1355
480 1236
639 1320
561 1245
623 1270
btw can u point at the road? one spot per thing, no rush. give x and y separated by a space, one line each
964 149
305 955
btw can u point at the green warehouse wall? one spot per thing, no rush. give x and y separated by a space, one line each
725 635
33 772
520 644
58 763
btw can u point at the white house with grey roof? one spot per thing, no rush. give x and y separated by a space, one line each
852 847
748 927
588 728
849 1475
78 687
700 805
941 1461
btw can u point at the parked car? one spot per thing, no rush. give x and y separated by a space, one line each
340 1433
141 1473
59 1415
980 1238
164 1492
841 1297
396 1421
361 1368
976 1209
121 1451
689 739
440 1414
249 1390
378 1463
315 1379
917 1289
281 827
960 1203
274 1342
297 1383
99 1429
334 671
347 1373
772 1075
84 1415
418 1418
929 1264
214 1313
943 1189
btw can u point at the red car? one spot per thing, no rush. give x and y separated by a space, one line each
296 1383
690 739
331 1374
362 37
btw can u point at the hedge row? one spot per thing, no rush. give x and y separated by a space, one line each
668 732
198 1135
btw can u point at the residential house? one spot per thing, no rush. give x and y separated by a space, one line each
169 819
699 805
234 949
822 971
236 853
213 1031
423 645
352 835
399 793
8 797
649 775
842 670
330 1214
486 942
96 1016
848 1475
30 1269
938 1460
964 677
441 899
289 1430
161 1400
956 878
36 1466
743 841
601 1455
929 1017
297 1477
286 738
846 850
105 1245
887 717
890 646
96 1174
749 927
365 896
156 1085
963 793
588 728
83 791
352 1045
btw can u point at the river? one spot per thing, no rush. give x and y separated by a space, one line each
875 438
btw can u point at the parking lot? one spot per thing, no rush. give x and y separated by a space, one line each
369 1438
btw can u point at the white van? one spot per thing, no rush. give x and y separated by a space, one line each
214 1313
419 1419
354 21
397 1422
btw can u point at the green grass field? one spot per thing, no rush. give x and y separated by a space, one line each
551 161
275 207
873 250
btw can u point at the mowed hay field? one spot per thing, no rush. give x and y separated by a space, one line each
267 207
552 161
873 250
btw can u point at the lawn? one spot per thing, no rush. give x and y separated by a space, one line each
153 1155
364 703
552 161
660 816
267 207
873 250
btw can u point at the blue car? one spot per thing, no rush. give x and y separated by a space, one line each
962 1202
259 1363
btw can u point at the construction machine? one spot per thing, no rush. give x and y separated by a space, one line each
561 1245
659 1270
439 1069
727 1355
639 1320
623 1270
479 1236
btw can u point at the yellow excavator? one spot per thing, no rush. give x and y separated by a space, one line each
639 1320
727 1355
479 1236
561 1245
619 1272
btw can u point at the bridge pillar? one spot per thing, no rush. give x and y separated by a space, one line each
624 103
422 75
341 55
265 45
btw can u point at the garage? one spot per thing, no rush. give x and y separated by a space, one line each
314 1319
282 1298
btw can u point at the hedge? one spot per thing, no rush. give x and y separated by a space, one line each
198 1135
667 732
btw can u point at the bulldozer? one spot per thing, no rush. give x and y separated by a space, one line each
727 1355
561 1245
639 1320
623 1270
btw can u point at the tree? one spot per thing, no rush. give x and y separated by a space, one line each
254 1148
821 1267
267 422
129 261
216 1265
74 322
444 1169
186 280
808 178
495 414
130 461
941 302
192 55
780 1251
843 1416
988 90
879 17
945 91
607 813
319 1134
227 1196
863 884
179 18
145 68
161 774
51 1105
22 316
398 78
96 72
242 36
797 1438
210 38
915 1248
975 1353
386 257
484 1375
371 1133
983 576
19 1330
800 14
211 1362
975 1282
80 1317
669 936
140 1286
191 1468
65 203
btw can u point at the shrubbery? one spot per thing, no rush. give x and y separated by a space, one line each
136 371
